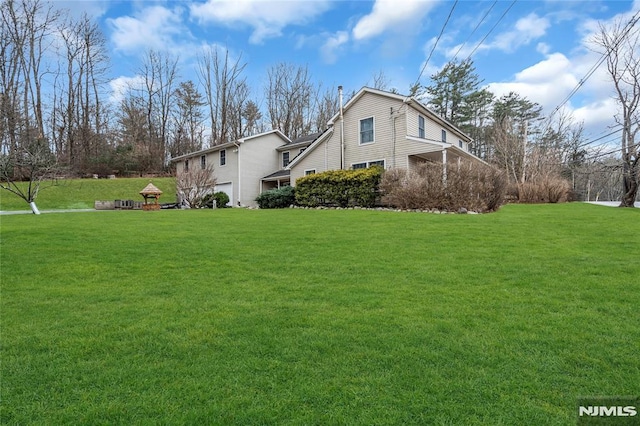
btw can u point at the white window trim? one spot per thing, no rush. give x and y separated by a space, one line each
424 126
310 172
368 163
220 157
288 159
373 120
203 162
443 132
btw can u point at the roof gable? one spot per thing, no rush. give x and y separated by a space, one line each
230 144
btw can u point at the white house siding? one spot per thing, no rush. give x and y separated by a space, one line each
380 108
433 129
324 156
259 158
227 174
403 150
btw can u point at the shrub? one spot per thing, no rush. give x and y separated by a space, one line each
277 198
468 185
547 189
340 188
220 197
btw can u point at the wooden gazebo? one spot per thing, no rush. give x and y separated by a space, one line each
151 193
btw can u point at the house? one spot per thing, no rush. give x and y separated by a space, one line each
373 128
239 165
386 129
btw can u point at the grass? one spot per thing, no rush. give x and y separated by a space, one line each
82 193
318 317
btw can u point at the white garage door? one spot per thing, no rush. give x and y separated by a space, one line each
227 188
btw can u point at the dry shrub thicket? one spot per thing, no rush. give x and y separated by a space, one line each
475 187
546 189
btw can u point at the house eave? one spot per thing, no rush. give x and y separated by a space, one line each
310 148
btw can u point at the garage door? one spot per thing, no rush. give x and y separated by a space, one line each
227 188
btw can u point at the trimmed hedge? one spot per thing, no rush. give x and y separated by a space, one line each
277 198
341 188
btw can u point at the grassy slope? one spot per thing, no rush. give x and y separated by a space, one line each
318 317
81 193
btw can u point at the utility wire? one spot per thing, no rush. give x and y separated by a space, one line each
436 43
491 30
632 22
474 30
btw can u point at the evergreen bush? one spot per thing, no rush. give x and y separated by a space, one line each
277 198
220 197
339 188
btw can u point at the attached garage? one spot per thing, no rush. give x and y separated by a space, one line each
227 188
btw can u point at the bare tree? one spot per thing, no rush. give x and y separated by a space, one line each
290 96
188 118
24 171
159 73
26 31
327 104
194 184
513 120
623 65
78 116
380 81
252 118
226 91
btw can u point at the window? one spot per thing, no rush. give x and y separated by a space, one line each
357 166
421 126
223 157
186 165
203 161
285 159
460 144
310 172
444 136
366 130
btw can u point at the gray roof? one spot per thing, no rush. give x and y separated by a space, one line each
308 138
278 174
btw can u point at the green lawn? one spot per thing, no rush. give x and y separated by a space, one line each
82 193
320 317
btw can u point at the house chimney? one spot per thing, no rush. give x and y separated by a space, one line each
341 128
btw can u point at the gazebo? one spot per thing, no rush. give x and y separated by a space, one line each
151 192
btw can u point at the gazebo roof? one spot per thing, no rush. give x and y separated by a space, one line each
150 189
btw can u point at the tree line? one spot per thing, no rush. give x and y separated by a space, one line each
55 88
56 106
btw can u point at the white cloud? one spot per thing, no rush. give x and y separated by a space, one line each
548 82
267 18
597 116
391 15
527 29
333 43
154 27
121 85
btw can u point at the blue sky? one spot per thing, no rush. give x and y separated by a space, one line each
539 49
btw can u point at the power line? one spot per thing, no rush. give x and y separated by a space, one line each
632 22
436 43
491 30
474 30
